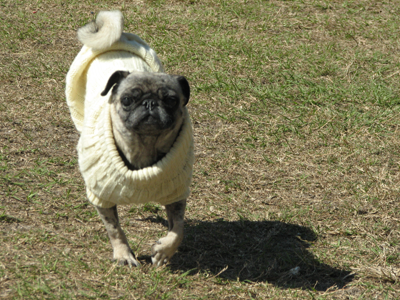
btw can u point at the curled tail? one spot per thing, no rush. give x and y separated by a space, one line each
103 32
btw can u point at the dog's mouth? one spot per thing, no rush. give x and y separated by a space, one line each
150 118
152 124
145 121
150 121
139 119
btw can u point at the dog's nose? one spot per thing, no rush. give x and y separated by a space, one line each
149 104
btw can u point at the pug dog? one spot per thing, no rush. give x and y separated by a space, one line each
136 141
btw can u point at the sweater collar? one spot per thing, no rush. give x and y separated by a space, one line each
173 160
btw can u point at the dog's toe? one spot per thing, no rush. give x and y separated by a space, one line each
127 262
126 258
158 259
163 250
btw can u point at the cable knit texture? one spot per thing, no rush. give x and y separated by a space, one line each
108 180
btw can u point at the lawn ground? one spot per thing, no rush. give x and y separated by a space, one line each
295 194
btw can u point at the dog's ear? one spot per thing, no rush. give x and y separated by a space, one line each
184 84
115 79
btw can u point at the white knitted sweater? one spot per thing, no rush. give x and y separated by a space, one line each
108 180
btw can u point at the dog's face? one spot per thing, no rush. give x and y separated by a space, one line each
148 103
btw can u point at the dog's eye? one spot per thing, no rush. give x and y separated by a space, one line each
171 101
133 96
126 101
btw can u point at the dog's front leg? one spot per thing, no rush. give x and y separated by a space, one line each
165 247
122 252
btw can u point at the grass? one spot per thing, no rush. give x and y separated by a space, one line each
295 194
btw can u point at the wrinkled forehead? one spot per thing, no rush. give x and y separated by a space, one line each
148 82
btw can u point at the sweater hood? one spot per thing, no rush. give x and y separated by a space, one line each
76 77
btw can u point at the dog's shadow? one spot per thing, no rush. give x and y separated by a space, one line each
257 251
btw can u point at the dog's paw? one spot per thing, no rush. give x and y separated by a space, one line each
124 256
163 250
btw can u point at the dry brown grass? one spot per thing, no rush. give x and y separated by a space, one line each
296 184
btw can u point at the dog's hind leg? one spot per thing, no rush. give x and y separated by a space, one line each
165 247
122 252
